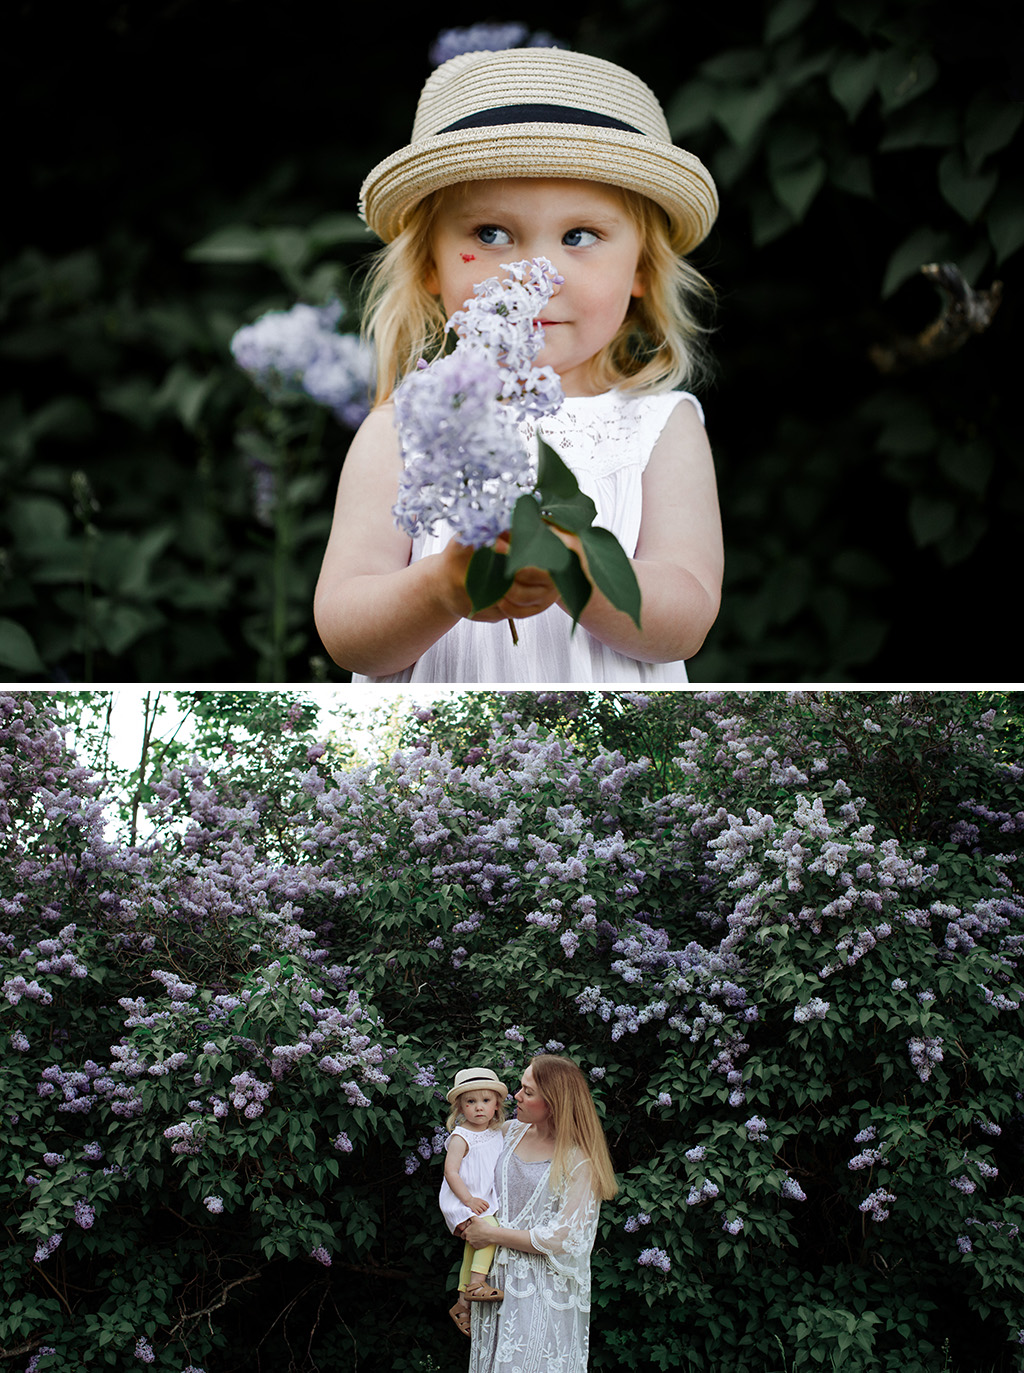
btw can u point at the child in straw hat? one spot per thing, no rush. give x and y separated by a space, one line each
523 154
478 1110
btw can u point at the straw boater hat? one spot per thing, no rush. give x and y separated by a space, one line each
527 112
476 1079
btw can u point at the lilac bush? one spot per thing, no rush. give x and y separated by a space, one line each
226 1127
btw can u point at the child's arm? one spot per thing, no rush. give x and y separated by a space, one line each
376 612
457 1150
678 560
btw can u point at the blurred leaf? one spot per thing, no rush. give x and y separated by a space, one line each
968 192
924 245
1005 220
991 124
184 393
785 16
770 218
691 108
854 176
17 651
38 523
852 81
931 517
920 127
734 65
133 400
903 76
791 144
968 464
233 243
742 112
859 569
338 228
796 187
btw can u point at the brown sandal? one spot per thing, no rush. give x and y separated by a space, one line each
482 1292
460 1315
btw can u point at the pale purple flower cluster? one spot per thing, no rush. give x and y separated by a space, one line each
877 1204
705 1190
342 1143
451 43
144 1351
84 1215
633 1223
757 1129
321 1255
734 1226
34 1362
924 1053
464 460
792 1189
215 1205
47 1247
300 350
815 1009
655 1258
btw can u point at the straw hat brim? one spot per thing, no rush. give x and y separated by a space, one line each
479 1084
670 176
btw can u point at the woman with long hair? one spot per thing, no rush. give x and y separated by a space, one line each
553 1174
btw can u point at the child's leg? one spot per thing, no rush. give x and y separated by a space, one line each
479 1267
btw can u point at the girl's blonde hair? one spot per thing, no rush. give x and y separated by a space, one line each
497 1120
660 345
577 1126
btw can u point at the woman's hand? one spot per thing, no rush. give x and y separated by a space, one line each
477 1233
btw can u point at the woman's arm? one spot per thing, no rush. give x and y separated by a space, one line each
679 558
377 613
480 1235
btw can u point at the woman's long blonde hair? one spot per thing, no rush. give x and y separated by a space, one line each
577 1126
660 345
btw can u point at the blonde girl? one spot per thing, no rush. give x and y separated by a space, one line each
553 1174
477 1100
538 152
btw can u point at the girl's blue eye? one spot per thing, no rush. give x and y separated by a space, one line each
493 236
579 238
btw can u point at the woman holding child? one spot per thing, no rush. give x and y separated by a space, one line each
553 1173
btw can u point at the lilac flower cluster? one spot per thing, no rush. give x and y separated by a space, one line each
633 1223
486 38
924 1053
300 351
655 1258
877 1204
464 460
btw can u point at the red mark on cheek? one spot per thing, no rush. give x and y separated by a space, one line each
468 257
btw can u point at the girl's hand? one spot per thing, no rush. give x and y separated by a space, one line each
531 593
478 1206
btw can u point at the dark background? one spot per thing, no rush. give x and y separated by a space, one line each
871 520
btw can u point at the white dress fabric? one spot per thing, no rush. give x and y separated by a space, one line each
606 441
476 1171
543 1324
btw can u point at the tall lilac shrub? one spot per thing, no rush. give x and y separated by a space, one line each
787 960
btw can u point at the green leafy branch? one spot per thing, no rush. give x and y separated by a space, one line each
557 503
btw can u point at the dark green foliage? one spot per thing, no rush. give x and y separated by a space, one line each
847 864
866 514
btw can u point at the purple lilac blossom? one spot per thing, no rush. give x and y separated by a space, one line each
655 1258
464 462
41 1353
84 1215
321 1255
299 351
144 1351
47 1247
451 43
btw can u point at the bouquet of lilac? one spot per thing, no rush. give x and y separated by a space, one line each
465 461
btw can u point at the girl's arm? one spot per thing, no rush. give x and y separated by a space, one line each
377 613
678 560
457 1149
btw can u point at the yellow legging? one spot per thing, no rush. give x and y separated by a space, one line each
477 1262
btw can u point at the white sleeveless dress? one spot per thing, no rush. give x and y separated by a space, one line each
606 441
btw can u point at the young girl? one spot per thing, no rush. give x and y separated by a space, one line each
478 1101
538 152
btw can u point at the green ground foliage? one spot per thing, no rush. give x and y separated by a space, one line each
780 933
178 170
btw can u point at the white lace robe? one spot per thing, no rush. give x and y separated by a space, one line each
606 441
543 1324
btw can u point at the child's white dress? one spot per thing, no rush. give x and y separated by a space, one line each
476 1171
606 441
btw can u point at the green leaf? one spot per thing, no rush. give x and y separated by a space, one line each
968 192
785 16
990 126
573 586
796 187
17 651
561 500
533 543
611 571
233 243
924 245
931 517
486 578
852 81
1005 221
